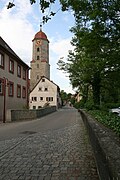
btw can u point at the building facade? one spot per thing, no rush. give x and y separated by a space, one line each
45 93
40 58
14 82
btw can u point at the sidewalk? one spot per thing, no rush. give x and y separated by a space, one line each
63 154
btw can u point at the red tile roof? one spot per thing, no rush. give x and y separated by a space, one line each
40 35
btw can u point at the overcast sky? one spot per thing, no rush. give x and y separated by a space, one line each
19 25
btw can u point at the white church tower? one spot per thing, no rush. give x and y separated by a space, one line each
40 58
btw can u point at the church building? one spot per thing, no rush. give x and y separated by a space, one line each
43 90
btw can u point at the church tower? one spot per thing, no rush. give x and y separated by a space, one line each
40 58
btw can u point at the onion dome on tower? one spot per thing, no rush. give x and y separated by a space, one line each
40 35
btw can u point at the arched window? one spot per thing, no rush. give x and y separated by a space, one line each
37 57
38 49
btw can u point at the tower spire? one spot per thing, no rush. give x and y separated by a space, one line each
40 27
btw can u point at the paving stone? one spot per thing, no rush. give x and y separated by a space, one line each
63 154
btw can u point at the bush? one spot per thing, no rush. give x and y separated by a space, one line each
78 105
109 119
89 105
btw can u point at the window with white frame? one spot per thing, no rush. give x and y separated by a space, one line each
48 99
34 98
41 98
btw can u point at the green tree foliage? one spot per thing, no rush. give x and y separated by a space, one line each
66 97
95 61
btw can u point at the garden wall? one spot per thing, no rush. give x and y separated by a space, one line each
25 114
106 146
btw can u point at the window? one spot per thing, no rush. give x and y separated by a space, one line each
34 107
1 86
46 89
19 91
43 80
11 66
19 71
1 61
49 98
40 89
39 107
38 49
11 89
37 57
34 98
24 73
41 98
24 92
37 65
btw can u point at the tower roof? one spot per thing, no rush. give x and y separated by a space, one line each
40 35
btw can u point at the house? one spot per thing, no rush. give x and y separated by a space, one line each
45 93
78 97
14 82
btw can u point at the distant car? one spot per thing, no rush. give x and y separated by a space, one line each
116 111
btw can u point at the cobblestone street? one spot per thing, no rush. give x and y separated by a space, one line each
64 154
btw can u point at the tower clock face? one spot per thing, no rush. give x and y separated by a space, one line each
38 42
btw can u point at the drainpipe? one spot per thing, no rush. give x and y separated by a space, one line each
28 87
4 95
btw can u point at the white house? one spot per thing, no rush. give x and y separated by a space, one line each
45 93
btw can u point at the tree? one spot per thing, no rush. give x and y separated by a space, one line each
97 43
64 97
